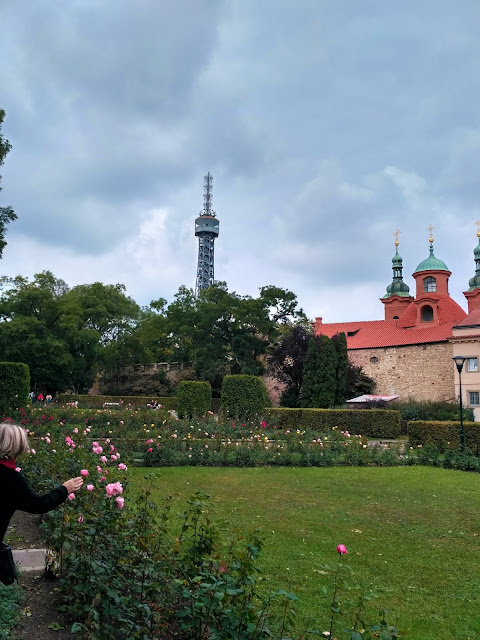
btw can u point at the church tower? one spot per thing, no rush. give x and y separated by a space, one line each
398 297
433 305
473 293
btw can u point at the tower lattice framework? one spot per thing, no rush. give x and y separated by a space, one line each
206 230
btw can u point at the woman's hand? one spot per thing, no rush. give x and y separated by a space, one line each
74 484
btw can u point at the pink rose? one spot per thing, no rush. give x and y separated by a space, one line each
71 496
90 487
342 549
103 459
122 467
18 469
99 469
120 502
75 430
84 472
150 450
80 519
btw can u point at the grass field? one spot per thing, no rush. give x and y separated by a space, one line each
412 533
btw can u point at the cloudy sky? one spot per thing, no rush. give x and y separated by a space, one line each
326 124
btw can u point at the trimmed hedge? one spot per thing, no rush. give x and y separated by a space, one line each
443 434
96 402
194 398
243 396
374 423
14 385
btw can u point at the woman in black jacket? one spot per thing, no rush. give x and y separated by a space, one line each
15 492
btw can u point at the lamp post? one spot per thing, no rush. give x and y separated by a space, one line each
459 361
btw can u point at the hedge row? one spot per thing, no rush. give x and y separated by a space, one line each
375 423
243 396
96 402
444 434
194 398
14 386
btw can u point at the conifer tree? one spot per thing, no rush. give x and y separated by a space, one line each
340 343
326 378
310 376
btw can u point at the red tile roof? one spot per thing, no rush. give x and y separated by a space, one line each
448 310
472 320
384 333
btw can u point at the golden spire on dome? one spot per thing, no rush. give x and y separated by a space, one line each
430 231
478 228
397 232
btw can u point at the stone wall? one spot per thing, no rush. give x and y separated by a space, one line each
420 372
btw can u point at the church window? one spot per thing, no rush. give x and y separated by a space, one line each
472 364
473 398
427 313
374 360
429 284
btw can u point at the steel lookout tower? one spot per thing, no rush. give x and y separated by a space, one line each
206 230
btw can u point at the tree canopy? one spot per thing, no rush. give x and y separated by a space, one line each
6 213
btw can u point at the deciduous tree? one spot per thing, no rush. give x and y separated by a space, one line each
7 214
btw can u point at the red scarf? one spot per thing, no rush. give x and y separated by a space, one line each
10 464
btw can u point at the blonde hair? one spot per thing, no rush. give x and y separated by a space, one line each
13 441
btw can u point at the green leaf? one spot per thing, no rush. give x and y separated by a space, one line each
55 626
76 627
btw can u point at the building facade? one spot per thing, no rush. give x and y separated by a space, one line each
410 352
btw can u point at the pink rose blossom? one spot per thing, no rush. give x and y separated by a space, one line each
75 430
80 519
71 496
90 487
114 489
342 549
120 502
84 472
18 469
103 459
99 469
47 440
122 466
150 450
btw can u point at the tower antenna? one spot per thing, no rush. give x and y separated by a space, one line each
206 230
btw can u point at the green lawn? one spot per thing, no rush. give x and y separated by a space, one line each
412 533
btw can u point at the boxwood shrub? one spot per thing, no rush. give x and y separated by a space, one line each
193 398
86 401
14 386
374 423
444 434
243 396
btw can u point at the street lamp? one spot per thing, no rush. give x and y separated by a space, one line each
459 360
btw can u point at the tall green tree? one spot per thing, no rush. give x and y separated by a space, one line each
326 373
340 344
7 214
286 358
40 326
310 388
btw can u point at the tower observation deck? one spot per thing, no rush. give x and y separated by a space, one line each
206 230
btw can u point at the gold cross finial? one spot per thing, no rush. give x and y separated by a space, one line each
396 233
478 228
430 231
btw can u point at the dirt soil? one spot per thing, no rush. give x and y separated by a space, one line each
40 609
